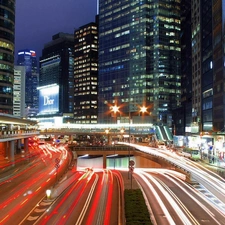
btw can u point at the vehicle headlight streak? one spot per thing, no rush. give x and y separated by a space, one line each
85 208
169 198
169 218
182 205
210 180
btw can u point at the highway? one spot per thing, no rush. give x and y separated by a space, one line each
95 196
173 201
205 182
21 191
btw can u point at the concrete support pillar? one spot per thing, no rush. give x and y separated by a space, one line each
18 146
6 149
26 149
12 152
104 161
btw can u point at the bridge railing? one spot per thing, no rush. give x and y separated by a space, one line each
101 148
17 133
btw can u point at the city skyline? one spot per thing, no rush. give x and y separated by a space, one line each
35 26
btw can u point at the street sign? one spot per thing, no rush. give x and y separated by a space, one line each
57 166
131 163
131 169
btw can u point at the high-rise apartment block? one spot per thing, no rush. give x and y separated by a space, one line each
86 74
56 83
139 59
7 38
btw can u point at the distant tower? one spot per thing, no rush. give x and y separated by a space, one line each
86 74
7 38
56 71
19 91
28 59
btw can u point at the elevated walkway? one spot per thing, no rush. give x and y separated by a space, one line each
163 133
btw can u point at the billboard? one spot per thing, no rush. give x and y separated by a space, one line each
48 99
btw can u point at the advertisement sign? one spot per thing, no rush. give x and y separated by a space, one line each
48 99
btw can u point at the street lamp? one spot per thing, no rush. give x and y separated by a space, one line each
115 110
107 132
143 109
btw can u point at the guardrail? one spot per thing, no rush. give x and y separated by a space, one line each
18 133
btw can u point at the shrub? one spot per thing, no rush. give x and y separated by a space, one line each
136 211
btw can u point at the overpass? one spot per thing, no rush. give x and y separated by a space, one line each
142 159
161 131
13 132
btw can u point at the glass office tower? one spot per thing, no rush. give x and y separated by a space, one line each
7 37
27 58
57 68
139 59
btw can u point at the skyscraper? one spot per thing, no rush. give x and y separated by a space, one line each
7 38
86 74
214 94
56 73
139 59
182 117
19 91
204 61
28 59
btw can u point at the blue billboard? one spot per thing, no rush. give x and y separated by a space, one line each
48 99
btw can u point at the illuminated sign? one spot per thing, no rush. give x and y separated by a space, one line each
48 99
31 53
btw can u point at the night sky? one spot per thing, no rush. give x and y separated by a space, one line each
38 20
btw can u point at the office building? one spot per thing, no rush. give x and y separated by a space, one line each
139 60
206 97
19 92
86 74
56 83
28 59
7 39
182 117
213 89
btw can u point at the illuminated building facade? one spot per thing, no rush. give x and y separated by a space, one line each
56 75
28 59
19 91
208 108
86 74
182 117
139 58
7 38
215 96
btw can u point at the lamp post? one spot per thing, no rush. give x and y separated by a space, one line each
129 146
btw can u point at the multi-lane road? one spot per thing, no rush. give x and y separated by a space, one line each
79 197
201 201
95 196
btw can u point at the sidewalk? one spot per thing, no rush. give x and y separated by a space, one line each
216 166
